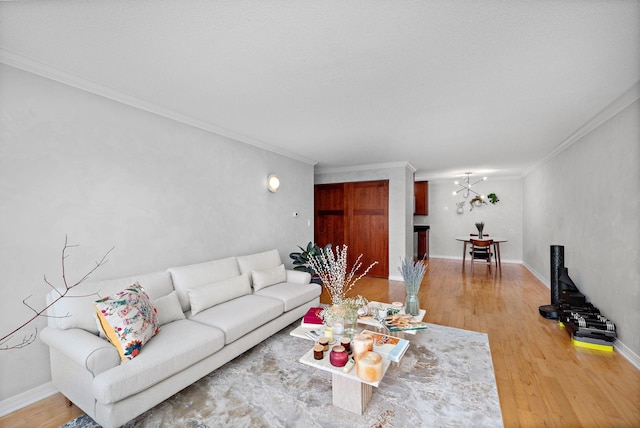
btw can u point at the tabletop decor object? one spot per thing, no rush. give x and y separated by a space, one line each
480 227
361 343
388 347
369 367
332 269
412 273
344 314
338 356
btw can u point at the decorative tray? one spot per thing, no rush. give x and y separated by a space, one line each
403 322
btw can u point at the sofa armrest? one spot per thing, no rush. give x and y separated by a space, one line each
86 349
298 277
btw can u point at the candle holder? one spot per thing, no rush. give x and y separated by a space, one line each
338 356
346 343
318 352
362 343
369 367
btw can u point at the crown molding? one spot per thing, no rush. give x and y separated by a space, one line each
51 72
623 101
388 165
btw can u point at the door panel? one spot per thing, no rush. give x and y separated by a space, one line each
329 214
355 214
368 225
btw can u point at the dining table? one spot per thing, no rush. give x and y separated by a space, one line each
496 246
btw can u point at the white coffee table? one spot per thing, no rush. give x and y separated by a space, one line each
349 391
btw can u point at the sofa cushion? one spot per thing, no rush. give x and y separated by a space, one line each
177 346
79 311
209 295
192 276
168 308
291 295
128 319
267 277
240 316
259 261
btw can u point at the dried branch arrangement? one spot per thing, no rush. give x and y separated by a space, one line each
412 273
332 270
61 292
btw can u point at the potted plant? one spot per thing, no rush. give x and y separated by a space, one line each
301 259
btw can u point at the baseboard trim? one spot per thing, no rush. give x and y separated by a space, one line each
538 275
624 350
27 398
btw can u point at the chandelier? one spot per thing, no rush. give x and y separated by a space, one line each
466 184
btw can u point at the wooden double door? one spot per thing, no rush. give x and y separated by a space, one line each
357 215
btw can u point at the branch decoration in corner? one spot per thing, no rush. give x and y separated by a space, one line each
61 292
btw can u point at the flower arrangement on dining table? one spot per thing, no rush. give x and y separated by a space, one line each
338 280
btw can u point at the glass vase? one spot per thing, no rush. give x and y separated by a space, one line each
350 322
411 305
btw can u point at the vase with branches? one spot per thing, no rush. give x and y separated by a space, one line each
338 280
332 269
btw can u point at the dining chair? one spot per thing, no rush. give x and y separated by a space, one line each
481 252
494 247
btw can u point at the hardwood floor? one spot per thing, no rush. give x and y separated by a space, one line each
48 413
543 380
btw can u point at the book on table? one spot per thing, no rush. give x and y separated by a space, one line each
312 318
389 347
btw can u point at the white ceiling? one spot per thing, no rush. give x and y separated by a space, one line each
488 86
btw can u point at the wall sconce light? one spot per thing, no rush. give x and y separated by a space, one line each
273 183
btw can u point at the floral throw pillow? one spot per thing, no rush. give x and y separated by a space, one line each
128 319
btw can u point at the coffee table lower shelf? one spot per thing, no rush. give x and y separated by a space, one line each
349 391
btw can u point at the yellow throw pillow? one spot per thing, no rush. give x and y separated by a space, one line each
128 319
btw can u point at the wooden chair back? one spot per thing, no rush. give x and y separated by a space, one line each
481 252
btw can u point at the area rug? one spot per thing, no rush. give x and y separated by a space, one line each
445 379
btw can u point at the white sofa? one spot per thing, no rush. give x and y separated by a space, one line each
194 339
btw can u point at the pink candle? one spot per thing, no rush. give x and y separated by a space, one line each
369 367
361 343
338 356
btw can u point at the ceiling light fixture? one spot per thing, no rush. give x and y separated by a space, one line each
466 184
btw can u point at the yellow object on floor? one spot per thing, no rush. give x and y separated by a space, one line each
608 348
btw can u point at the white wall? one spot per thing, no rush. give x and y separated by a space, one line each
586 198
400 204
163 193
504 219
